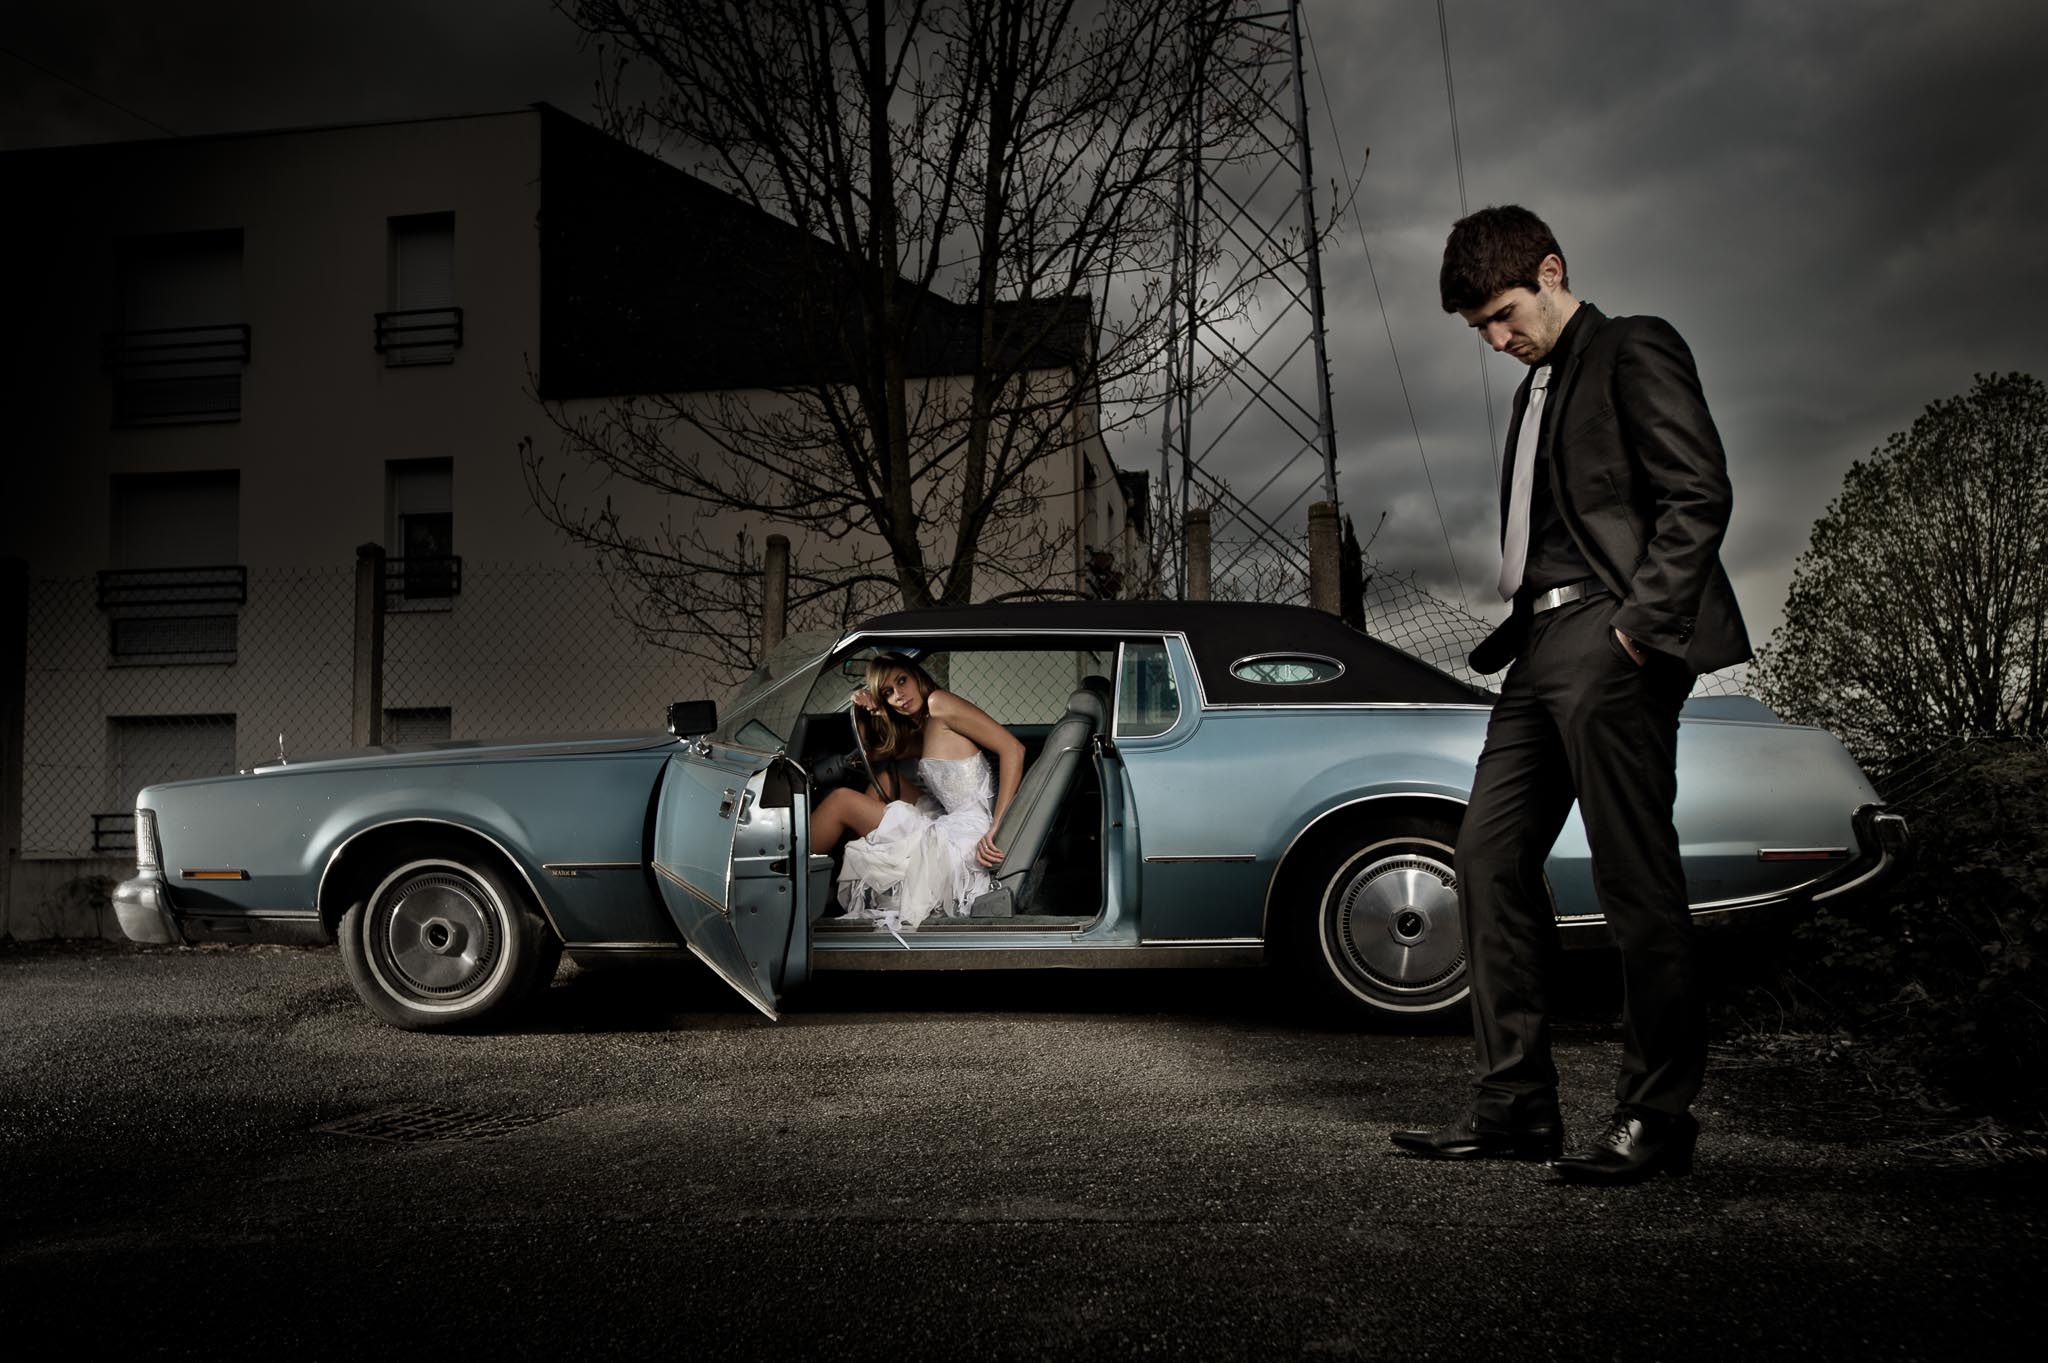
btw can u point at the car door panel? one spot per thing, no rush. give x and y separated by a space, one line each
728 839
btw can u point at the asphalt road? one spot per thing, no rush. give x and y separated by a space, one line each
1045 1164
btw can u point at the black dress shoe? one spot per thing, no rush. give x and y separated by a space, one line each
1531 1140
1632 1149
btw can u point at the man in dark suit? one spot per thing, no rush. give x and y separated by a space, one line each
1614 502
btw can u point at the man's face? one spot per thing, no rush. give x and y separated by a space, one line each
1525 322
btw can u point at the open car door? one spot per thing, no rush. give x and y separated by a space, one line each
730 835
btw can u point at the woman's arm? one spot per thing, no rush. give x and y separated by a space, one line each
971 722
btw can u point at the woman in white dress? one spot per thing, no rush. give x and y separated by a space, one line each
921 846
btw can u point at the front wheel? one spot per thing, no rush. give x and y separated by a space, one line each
1387 935
444 939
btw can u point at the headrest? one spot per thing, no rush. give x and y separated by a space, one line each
1090 706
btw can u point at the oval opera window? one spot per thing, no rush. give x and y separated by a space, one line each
1286 669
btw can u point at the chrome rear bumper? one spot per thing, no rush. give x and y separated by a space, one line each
1884 845
144 912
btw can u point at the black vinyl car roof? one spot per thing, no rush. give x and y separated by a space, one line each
1220 633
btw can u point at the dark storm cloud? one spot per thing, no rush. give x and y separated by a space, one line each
1839 204
1834 202
201 66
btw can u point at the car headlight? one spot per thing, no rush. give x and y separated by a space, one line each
147 855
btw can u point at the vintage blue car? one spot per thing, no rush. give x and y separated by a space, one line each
1208 784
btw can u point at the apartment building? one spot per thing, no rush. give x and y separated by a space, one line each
236 361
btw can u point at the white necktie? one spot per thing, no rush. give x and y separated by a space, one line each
1514 545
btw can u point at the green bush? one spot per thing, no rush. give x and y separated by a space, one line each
1942 974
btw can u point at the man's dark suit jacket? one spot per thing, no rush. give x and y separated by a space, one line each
1641 483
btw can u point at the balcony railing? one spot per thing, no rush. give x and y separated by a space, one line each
113 832
178 374
173 615
419 335
421 581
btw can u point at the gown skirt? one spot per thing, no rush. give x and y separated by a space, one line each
920 859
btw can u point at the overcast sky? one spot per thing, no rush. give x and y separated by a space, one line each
1840 205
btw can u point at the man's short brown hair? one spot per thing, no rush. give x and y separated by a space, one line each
1492 251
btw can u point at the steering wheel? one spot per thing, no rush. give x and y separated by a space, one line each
860 745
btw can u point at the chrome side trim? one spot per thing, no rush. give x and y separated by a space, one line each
1037 956
1327 705
622 946
675 878
320 890
1198 943
567 869
1802 854
1748 901
738 988
1219 856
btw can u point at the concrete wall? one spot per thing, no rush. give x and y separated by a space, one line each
68 897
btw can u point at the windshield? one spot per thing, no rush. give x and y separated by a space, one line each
765 706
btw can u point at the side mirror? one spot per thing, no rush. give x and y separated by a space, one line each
689 718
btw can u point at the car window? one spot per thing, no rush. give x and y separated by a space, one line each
1148 702
1017 687
835 684
1020 686
762 712
1287 669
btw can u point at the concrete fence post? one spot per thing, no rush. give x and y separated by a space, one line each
774 593
1198 554
366 728
1324 590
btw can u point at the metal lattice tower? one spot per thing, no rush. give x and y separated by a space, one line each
1249 392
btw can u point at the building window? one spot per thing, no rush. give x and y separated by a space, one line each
181 342
420 724
175 591
425 572
423 325
147 750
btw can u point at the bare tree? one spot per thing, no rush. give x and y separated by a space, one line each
984 193
1919 611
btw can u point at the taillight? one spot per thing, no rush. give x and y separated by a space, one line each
147 855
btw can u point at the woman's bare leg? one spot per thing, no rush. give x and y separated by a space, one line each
845 811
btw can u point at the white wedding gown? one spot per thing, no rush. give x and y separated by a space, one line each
920 859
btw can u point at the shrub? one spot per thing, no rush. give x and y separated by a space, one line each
1943 973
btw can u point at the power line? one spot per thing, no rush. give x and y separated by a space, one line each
59 76
1337 142
1443 34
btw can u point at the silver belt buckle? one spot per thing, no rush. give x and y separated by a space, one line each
1557 596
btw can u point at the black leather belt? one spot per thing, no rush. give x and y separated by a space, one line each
1565 595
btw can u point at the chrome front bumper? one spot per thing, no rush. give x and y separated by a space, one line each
144 911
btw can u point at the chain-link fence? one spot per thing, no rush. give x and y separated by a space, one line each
1396 610
133 679
1928 780
137 678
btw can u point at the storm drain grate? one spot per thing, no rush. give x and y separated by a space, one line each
428 1122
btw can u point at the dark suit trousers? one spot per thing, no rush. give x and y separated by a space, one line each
1577 718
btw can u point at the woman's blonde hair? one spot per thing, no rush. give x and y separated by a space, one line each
897 736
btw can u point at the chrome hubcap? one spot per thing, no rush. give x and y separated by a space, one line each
440 933
1397 923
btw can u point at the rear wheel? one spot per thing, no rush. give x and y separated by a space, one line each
1387 935
445 938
